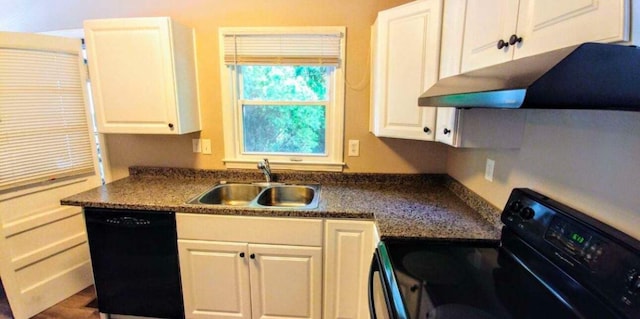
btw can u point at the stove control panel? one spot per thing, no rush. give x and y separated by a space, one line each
591 252
581 244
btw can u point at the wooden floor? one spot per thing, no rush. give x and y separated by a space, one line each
79 306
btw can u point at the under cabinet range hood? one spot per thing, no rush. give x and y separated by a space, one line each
589 76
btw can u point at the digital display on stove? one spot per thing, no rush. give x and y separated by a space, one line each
577 238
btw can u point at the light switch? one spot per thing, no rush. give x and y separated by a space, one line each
206 146
354 148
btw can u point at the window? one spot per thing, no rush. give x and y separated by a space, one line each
44 132
283 97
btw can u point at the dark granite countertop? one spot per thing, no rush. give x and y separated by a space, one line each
403 206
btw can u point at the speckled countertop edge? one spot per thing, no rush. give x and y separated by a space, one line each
404 206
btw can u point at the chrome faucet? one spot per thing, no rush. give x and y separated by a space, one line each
266 170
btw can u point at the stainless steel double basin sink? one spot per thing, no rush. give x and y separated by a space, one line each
261 195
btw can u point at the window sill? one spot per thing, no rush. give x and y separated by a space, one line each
299 166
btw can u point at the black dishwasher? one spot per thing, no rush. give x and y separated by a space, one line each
134 256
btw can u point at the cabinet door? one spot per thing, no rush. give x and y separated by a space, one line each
547 25
446 128
405 61
215 279
452 38
487 22
349 246
286 281
131 63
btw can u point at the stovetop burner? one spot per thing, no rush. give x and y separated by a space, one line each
433 267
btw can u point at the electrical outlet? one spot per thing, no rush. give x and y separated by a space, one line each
206 146
354 148
488 170
196 145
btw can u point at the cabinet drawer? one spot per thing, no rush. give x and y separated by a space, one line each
264 230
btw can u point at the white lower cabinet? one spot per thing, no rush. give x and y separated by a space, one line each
264 272
267 267
349 247
286 281
215 279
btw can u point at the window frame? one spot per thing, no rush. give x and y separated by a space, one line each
230 82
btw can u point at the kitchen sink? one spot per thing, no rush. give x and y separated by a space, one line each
287 196
230 194
261 195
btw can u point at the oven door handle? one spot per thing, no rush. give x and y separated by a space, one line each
372 270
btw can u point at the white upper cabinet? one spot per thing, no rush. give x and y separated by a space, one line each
497 31
550 24
143 76
486 23
405 44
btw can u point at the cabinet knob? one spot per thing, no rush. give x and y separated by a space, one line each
514 39
426 129
241 255
502 44
447 131
252 256
171 126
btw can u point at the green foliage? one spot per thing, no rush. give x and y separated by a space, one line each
284 83
286 128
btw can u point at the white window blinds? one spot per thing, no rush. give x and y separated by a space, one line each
43 123
262 47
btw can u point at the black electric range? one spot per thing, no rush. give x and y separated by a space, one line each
551 262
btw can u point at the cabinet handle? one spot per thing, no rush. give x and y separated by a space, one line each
446 131
171 126
241 255
502 44
252 256
514 39
426 129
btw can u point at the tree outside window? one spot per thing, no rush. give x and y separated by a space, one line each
284 108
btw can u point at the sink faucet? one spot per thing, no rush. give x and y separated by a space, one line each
266 170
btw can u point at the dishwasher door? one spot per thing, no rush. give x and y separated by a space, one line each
134 256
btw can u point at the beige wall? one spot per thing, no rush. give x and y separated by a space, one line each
376 155
589 160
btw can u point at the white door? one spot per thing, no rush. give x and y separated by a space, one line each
44 256
486 23
286 281
215 279
547 25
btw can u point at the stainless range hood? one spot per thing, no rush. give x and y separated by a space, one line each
588 76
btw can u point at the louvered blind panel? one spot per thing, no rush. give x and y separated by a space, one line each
43 125
294 49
